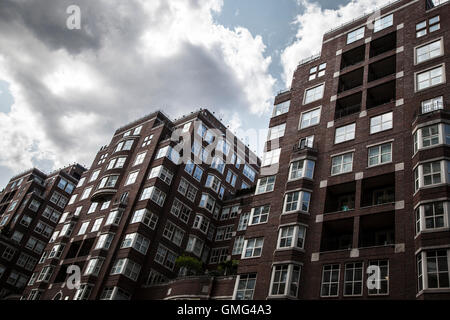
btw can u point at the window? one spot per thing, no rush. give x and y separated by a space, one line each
252 248
285 280
245 286
271 157
147 140
139 158
218 255
259 215
8 254
165 257
127 267
81 182
296 201
432 104
317 71
189 167
383 281
86 193
310 118
198 173
63 184
355 35
277 131
238 245
96 225
213 182
429 51
180 210
301 169
173 233
195 245
137 130
104 241
12 206
243 221
249 173
430 78
201 223
224 233
427 26
169 153
124 145
94 265
94 175
46 274
314 94
291 237
218 164
353 279
345 133
114 218
17 236
380 154
281 108
306 142
265 184
381 123
383 23
433 215
428 174
154 194
434 265
83 228
231 178
330 280
207 202
136 241
342 163
163 173
146 217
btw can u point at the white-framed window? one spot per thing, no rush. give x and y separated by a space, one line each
306 142
83 292
432 135
433 269
104 241
124 145
259 215
147 140
252 248
94 265
165 257
317 71
243 221
383 281
162 173
94 175
431 174
207 202
224 233
231 178
381 123
310 118
46 274
433 104
428 26
342 163
285 280
137 131
432 216
265 184
330 280
292 236
383 23
218 255
345 133
296 201
281 108
213 182
146 217
173 233
83 227
430 78
139 158
238 245
301 169
97 224
355 35
180 210
353 279
271 157
132 178
86 193
195 245
277 132
154 194
198 173
114 218
380 154
8 253
201 223
169 153
245 286
314 94
429 51
218 164
127 267
92 207
136 241
81 182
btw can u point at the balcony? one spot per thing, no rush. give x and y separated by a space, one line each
383 44
381 94
104 194
348 105
353 57
382 68
378 190
340 198
377 230
351 80
337 235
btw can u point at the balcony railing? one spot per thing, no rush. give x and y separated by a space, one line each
340 113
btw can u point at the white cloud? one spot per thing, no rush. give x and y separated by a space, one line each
312 25
72 90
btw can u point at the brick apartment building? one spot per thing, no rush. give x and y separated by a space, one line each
363 171
30 207
140 206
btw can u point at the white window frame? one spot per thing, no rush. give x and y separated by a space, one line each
308 113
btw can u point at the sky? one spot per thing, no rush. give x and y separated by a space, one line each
64 92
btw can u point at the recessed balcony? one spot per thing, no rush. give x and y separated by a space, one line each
104 194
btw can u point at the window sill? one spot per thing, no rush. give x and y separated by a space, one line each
290 249
379 165
295 212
